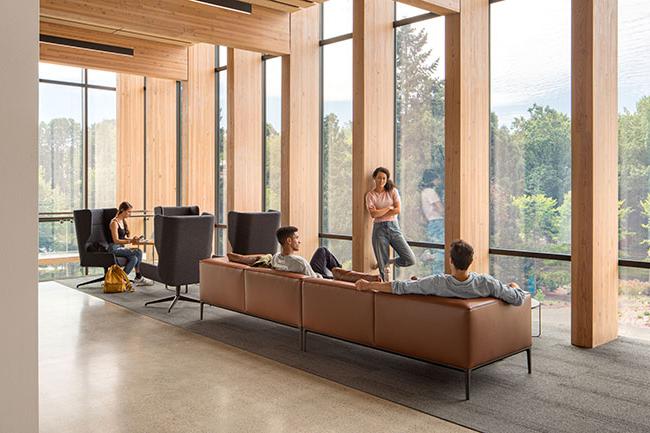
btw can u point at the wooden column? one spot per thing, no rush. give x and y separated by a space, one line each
373 113
198 150
244 151
130 146
594 225
467 113
300 129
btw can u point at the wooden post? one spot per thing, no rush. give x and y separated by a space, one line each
300 129
373 113
467 113
244 152
594 175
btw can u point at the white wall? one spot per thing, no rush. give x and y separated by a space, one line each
18 216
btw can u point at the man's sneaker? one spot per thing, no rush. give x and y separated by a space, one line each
142 282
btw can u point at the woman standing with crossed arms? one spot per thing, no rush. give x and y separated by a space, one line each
383 203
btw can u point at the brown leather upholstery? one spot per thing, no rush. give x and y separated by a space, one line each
462 333
336 308
222 283
274 295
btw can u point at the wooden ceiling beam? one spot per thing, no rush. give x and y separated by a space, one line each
440 7
264 30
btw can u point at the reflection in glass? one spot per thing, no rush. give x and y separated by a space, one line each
336 150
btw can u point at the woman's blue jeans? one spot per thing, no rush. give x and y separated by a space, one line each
385 234
133 256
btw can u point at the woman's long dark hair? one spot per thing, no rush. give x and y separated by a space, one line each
389 183
123 207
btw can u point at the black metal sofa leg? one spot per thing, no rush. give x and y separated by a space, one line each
530 360
468 374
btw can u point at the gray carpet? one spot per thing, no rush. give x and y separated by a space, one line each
606 389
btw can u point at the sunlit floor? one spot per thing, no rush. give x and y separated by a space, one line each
106 369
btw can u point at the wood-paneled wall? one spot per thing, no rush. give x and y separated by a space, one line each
199 148
467 113
161 144
244 151
300 129
150 58
594 196
130 146
440 7
373 113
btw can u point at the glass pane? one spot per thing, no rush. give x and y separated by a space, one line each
548 280
102 78
60 148
337 18
272 135
406 11
634 129
336 151
420 137
429 261
342 249
57 250
222 106
223 56
102 147
49 71
530 138
634 303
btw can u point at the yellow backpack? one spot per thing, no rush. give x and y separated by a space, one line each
116 281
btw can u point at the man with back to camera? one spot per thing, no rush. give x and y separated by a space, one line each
459 284
320 266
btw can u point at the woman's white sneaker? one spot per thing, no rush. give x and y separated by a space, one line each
142 282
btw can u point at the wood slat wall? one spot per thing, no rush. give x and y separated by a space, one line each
373 114
199 149
264 30
467 113
130 146
244 152
594 173
151 58
300 129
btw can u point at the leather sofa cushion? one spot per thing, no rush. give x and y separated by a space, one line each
222 283
337 309
274 295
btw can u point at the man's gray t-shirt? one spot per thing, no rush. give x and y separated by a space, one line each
476 286
293 263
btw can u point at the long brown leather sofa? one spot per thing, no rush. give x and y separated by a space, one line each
462 334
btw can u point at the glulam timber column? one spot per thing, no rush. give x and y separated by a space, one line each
244 151
467 113
300 129
130 146
594 224
373 113
198 152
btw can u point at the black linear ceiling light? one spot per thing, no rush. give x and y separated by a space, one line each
76 43
233 5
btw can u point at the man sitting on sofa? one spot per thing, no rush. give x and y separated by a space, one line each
460 284
322 262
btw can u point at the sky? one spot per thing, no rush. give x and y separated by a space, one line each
530 45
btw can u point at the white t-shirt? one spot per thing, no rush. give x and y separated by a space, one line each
293 263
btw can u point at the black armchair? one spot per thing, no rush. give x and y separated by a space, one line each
93 238
253 232
176 210
181 243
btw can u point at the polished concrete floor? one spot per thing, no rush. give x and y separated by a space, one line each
106 369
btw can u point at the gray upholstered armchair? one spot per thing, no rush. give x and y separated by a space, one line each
253 232
181 243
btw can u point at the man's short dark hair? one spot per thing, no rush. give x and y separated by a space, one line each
284 233
462 254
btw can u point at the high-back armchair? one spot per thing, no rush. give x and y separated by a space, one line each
176 210
92 227
181 243
253 232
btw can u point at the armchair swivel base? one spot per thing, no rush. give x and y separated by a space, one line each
177 297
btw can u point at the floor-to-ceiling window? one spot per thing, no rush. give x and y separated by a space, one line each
272 124
420 134
77 143
530 149
221 123
634 167
336 128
